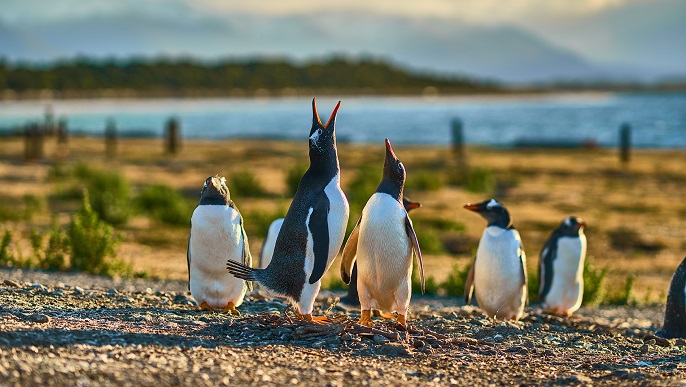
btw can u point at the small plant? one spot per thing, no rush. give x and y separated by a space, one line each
429 239
110 196
479 180
623 295
430 285
425 181
92 242
165 205
293 177
55 256
335 283
245 184
6 256
594 284
32 204
456 281
533 284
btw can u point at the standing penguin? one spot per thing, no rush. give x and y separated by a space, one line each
561 268
313 229
352 299
498 275
217 233
270 242
382 244
675 309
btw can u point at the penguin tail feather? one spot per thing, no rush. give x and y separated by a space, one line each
241 271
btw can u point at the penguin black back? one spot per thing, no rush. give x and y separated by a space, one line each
675 309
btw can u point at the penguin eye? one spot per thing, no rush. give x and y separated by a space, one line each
319 131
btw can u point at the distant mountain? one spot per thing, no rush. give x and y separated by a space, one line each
499 52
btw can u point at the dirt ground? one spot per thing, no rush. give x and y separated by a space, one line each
76 329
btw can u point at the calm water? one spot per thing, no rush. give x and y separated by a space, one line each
657 120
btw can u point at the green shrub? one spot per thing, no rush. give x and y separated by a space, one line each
533 284
257 222
623 295
245 183
335 283
479 180
6 256
165 205
456 281
594 284
110 196
430 285
425 181
92 242
55 256
430 241
293 177
362 187
32 205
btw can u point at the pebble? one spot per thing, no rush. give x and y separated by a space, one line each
12 283
112 292
78 290
38 318
395 350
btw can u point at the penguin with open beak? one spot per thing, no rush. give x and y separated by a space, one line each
498 274
382 244
313 229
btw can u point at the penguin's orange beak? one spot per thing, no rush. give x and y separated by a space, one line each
389 148
413 205
471 207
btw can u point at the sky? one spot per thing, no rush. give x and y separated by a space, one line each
638 33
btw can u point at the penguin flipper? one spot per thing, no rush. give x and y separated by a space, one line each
415 245
350 253
247 256
522 266
188 260
469 284
319 228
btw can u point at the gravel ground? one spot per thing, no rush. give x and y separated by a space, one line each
76 329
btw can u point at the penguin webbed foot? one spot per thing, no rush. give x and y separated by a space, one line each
366 318
387 316
204 306
230 308
319 320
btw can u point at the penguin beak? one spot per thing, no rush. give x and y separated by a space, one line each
412 205
317 122
332 117
472 207
582 224
389 150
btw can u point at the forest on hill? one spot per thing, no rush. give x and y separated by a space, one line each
163 76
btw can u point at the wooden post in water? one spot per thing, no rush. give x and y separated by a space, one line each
173 136
624 143
33 142
111 137
458 144
62 132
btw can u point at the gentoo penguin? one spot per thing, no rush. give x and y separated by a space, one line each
561 268
675 309
498 274
217 234
352 299
313 229
270 242
382 244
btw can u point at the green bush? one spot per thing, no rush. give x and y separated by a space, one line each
430 241
479 180
32 205
430 285
335 283
110 197
594 284
55 256
92 242
245 183
165 205
425 181
533 284
257 222
362 187
456 281
6 256
623 295
293 177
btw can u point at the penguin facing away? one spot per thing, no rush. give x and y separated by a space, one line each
270 242
217 234
352 299
313 229
675 309
498 274
561 268
382 244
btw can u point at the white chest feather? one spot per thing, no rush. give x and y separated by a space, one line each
215 237
498 272
566 289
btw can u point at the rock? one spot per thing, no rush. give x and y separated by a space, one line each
57 293
378 339
112 292
39 318
394 350
78 290
12 283
652 339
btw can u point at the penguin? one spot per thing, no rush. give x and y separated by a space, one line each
561 268
352 299
498 274
269 242
382 243
674 325
217 233
313 229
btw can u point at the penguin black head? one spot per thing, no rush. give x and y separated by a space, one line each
410 205
215 191
393 179
572 226
323 137
493 211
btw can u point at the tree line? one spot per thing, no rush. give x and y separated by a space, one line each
171 76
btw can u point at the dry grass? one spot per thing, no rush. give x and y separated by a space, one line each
540 187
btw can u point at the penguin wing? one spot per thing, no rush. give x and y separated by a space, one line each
247 257
319 228
522 267
415 245
188 259
469 284
350 253
545 267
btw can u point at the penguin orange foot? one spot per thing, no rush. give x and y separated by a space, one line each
387 316
366 318
231 309
401 320
205 306
319 320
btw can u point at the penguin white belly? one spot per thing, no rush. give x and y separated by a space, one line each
498 274
337 220
270 242
567 286
384 256
215 237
